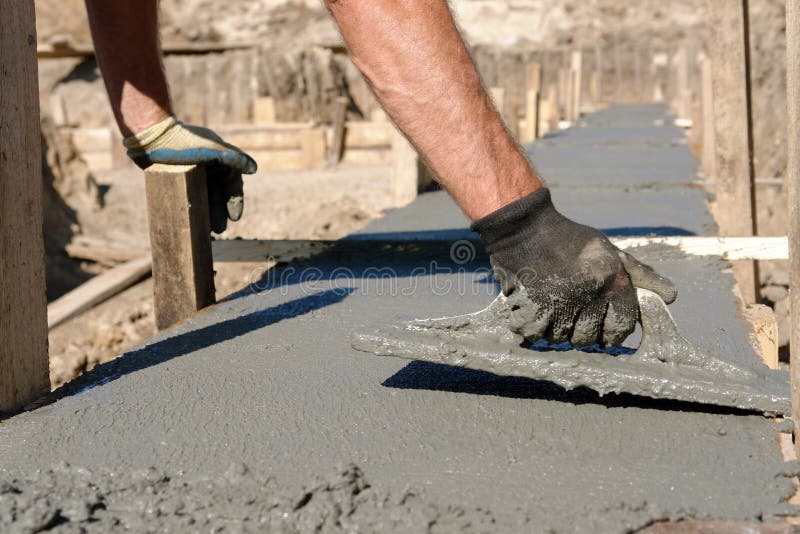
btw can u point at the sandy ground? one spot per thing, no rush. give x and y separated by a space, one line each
325 204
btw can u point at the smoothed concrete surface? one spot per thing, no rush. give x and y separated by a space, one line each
270 380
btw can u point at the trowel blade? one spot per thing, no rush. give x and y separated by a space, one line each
666 365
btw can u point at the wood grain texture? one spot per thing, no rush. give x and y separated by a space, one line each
180 241
23 319
793 168
337 144
730 70
97 290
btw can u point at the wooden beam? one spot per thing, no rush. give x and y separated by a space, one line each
312 142
576 67
83 50
765 333
531 132
405 170
730 69
97 290
339 117
793 168
264 110
728 248
23 304
180 241
709 156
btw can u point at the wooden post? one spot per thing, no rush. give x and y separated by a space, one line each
264 110
594 92
735 183
598 70
576 66
563 94
312 142
571 111
531 116
339 117
709 157
23 319
793 168
533 77
180 241
499 98
682 79
405 170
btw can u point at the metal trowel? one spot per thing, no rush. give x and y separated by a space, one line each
665 366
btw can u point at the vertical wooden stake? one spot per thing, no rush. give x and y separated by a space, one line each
23 304
339 117
735 184
499 98
563 94
594 92
552 105
682 79
576 66
312 143
531 116
709 156
571 111
180 241
405 170
793 168
264 110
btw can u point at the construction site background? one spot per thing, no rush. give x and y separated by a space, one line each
294 54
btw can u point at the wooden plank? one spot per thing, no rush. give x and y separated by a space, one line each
765 333
313 146
533 77
264 110
337 144
82 50
708 157
769 248
729 248
23 319
97 290
576 82
103 253
730 69
177 207
793 184
405 170
531 131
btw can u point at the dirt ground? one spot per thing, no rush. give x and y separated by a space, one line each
326 204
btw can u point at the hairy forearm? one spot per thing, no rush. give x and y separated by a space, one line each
125 35
414 59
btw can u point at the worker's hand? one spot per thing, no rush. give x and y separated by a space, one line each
174 143
565 281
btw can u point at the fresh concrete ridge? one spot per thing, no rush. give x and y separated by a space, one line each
269 380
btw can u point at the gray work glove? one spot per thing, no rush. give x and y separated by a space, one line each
174 143
578 286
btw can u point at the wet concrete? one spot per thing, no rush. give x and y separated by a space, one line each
269 380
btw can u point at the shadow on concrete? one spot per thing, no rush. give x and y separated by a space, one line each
438 377
193 340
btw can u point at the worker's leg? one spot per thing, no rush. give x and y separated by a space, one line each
418 66
125 35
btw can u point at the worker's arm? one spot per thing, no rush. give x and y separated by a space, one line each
580 286
125 34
